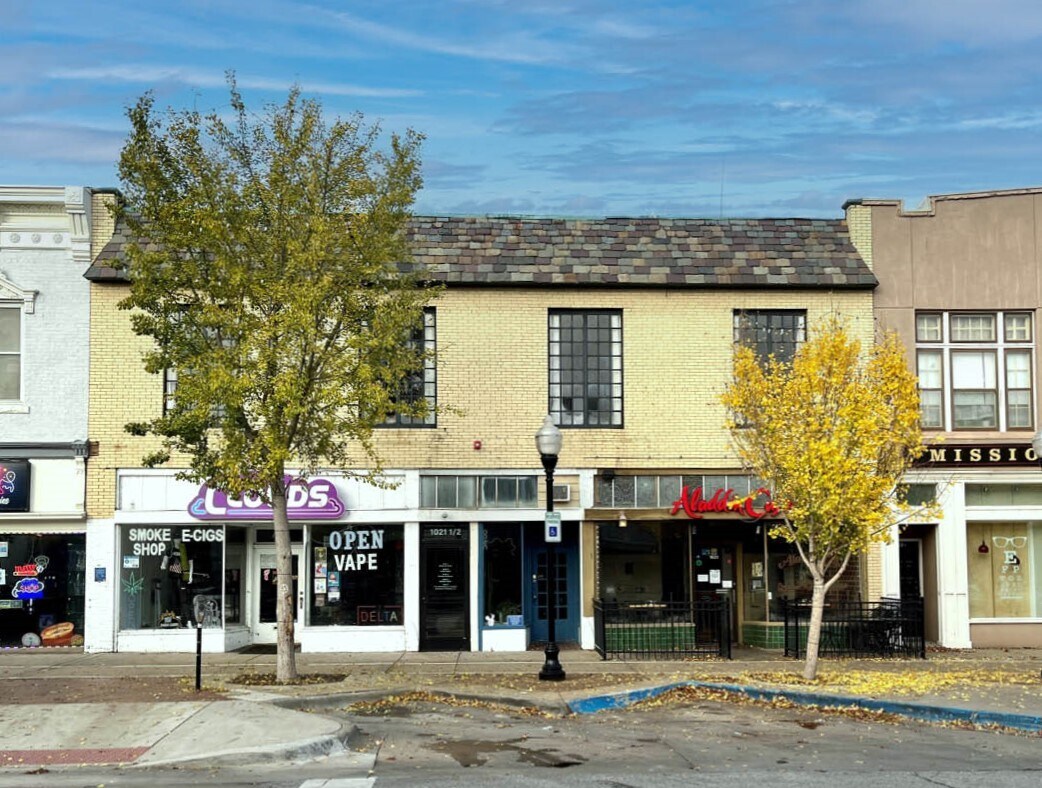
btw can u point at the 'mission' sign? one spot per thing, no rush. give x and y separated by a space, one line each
1003 454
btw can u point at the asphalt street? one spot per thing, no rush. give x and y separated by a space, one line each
434 744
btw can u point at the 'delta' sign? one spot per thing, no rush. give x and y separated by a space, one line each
14 485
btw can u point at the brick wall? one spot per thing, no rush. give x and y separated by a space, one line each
859 223
102 222
492 376
120 392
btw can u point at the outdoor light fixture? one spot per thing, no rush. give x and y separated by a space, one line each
548 441
983 547
623 522
1036 444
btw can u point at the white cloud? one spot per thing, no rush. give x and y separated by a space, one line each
518 48
1012 120
141 73
975 22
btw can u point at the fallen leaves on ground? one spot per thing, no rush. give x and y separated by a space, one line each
679 695
143 689
385 705
908 681
271 679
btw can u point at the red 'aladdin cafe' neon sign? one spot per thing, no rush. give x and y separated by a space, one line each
724 501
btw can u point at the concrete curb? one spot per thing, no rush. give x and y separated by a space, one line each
339 699
918 711
305 749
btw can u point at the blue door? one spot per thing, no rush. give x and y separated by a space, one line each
566 576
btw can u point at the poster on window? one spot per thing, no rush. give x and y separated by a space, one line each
357 576
1002 580
14 485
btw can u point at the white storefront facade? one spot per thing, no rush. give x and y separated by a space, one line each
44 320
978 564
373 570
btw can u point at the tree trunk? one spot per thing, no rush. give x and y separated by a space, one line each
817 610
286 661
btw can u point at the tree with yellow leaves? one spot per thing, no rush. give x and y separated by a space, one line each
832 433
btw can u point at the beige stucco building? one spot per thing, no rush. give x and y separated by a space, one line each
959 280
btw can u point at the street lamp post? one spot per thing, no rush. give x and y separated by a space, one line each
548 442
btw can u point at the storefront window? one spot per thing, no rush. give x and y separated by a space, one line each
643 562
502 572
42 584
171 576
357 575
1002 560
791 581
756 589
234 572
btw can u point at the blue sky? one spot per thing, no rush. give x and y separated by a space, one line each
566 107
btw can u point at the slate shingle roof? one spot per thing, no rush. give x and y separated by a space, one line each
503 251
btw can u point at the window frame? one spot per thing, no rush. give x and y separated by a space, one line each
1005 328
18 308
944 383
1001 349
739 322
1030 389
995 323
427 377
918 339
994 354
612 363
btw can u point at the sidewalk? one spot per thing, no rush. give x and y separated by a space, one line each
261 722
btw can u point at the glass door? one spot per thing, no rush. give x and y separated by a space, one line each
265 590
444 589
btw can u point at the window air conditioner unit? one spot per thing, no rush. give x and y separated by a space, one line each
562 493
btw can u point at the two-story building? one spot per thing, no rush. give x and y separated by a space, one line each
959 281
45 246
621 329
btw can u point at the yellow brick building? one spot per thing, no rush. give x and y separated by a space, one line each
626 322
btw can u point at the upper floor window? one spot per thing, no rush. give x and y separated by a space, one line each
169 389
776 333
10 351
212 338
423 383
975 370
585 368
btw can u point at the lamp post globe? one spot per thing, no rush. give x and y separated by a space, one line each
548 441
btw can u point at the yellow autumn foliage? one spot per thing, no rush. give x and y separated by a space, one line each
831 433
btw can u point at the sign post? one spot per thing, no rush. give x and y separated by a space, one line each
553 527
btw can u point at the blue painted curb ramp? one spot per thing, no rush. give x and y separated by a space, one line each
917 711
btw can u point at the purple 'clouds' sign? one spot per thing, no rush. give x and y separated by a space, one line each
311 500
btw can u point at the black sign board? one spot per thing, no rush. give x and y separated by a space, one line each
14 485
991 455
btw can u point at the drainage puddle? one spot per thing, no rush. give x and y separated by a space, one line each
471 752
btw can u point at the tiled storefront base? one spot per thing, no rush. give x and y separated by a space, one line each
760 634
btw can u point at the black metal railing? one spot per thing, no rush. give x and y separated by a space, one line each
887 628
662 630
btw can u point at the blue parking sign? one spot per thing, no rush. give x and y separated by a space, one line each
553 527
